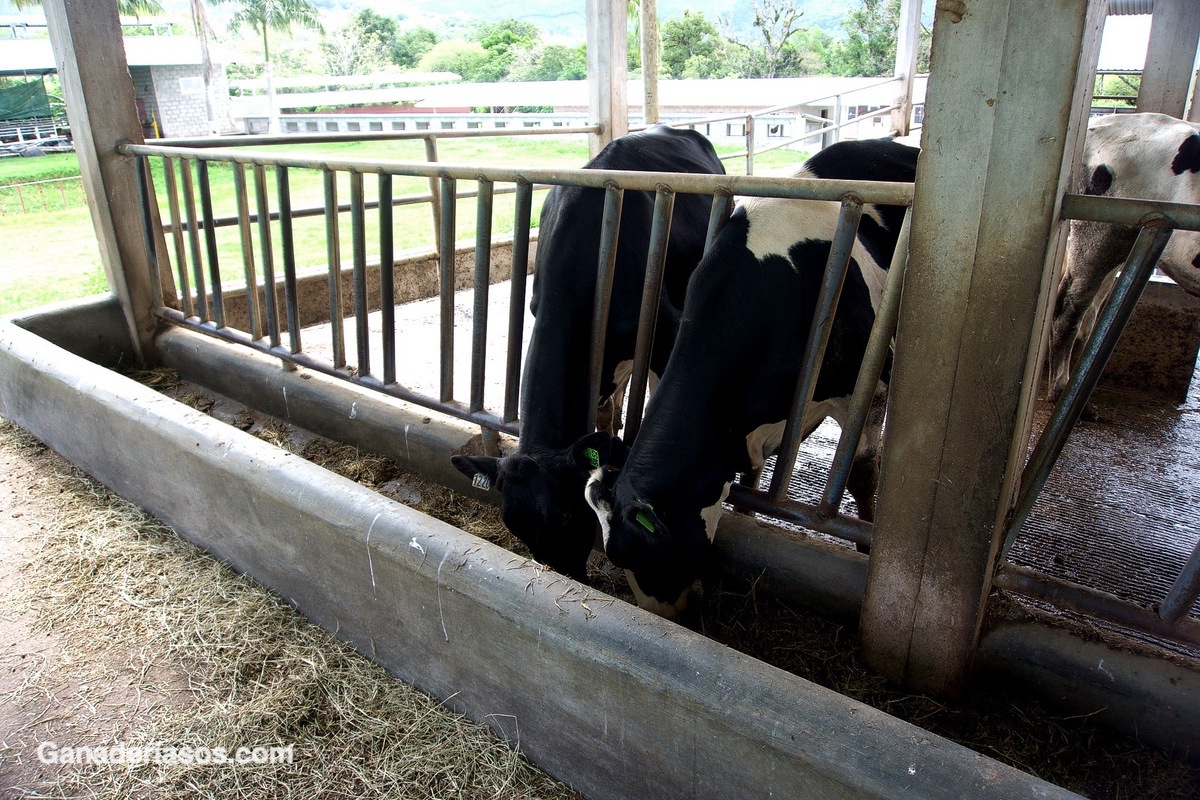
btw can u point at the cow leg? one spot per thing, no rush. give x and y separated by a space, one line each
1094 252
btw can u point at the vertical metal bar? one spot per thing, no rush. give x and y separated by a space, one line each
270 298
189 203
247 239
483 274
1184 592
722 205
290 299
749 144
210 242
610 228
387 278
446 286
840 250
660 234
516 300
144 197
874 358
181 265
1147 249
334 247
358 234
435 202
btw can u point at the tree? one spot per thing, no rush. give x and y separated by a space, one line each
870 46
263 16
692 47
354 49
776 19
411 45
551 63
465 59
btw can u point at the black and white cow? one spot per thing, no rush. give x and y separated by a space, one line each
722 401
1146 156
542 489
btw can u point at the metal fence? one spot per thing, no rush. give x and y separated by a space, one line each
201 308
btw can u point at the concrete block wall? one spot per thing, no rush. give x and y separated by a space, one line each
180 112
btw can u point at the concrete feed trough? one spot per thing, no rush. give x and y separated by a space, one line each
614 701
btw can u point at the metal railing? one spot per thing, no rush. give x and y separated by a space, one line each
828 126
201 309
201 304
1168 618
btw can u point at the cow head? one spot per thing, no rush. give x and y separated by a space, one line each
541 498
661 553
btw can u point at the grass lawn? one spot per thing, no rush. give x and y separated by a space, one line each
51 253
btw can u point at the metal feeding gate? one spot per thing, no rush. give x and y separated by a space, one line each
202 307
202 303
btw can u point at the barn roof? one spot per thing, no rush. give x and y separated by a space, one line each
36 57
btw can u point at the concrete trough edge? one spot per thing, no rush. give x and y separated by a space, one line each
615 702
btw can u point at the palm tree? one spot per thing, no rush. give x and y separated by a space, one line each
279 15
127 8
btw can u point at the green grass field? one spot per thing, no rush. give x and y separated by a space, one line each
51 253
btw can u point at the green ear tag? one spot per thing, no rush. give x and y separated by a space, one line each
644 521
593 457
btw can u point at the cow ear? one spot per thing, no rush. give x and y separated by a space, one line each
482 470
592 451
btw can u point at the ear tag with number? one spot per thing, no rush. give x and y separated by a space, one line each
644 521
593 457
481 481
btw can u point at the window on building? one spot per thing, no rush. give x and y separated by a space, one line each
376 126
775 130
474 125
422 126
500 124
331 126
397 126
447 124
291 127
353 126
311 126
735 129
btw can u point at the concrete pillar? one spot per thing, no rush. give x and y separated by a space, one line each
1007 99
90 55
608 71
1170 57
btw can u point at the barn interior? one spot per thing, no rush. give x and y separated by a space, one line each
1108 544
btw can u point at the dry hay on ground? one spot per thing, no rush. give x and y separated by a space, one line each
123 592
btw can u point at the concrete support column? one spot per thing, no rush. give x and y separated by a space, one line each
908 39
90 54
1170 57
1008 98
608 71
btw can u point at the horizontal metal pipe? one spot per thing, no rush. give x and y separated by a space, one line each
453 409
368 136
879 192
1123 211
1093 602
370 205
803 514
